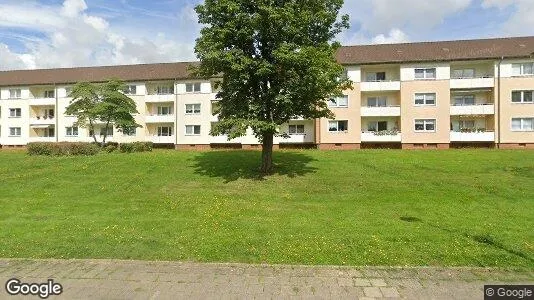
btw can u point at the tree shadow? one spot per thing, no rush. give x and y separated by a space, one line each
235 165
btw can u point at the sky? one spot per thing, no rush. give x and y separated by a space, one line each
69 33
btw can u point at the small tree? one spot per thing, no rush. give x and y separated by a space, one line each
105 103
277 62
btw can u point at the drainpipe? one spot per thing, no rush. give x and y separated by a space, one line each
56 115
175 113
499 103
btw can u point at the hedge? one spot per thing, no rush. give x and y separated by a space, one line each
62 149
136 147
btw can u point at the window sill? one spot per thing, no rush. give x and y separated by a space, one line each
522 102
14 136
338 132
425 131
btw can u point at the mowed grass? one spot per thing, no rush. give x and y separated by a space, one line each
402 208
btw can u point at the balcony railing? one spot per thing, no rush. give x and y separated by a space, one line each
473 135
45 120
42 101
302 138
162 139
160 119
381 111
472 109
386 136
473 82
380 85
160 98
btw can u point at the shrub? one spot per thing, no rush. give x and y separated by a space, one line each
136 147
62 149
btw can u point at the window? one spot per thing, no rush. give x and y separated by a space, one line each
425 125
71 131
377 101
296 129
49 132
129 131
68 90
375 126
523 124
522 97
165 90
164 110
15 94
109 131
425 99
192 109
466 124
376 76
339 101
464 100
130 89
463 73
192 130
14 131
428 73
523 69
338 126
15 112
192 87
50 94
164 131
49 113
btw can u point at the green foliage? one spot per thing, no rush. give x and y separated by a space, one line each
136 147
62 149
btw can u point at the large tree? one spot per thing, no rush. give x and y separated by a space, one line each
106 103
276 59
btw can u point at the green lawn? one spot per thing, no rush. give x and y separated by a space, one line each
438 208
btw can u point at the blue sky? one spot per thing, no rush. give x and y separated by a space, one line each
66 33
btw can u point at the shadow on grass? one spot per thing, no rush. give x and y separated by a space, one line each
235 165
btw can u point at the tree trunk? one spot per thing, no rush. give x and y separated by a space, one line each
267 153
105 134
92 128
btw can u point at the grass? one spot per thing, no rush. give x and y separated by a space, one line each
406 208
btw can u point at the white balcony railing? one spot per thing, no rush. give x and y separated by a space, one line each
160 98
388 111
42 121
370 86
162 139
378 137
483 136
160 119
477 109
471 83
298 139
42 101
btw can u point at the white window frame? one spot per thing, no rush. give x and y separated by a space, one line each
191 130
161 110
522 121
298 129
49 94
426 73
373 76
50 132
335 103
165 131
425 100
165 90
17 92
130 89
523 97
463 73
375 123
521 67
72 131
193 109
15 112
425 122
193 87
330 126
15 131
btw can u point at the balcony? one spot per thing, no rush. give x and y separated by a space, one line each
381 137
377 86
160 119
162 139
298 139
160 98
477 109
475 136
387 111
42 121
472 83
42 101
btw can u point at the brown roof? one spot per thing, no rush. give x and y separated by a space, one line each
517 47
130 73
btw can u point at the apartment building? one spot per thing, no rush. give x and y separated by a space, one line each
414 95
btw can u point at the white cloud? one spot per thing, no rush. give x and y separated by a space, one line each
11 60
395 36
72 8
521 21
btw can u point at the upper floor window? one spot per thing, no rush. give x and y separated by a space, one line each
376 126
425 99
68 90
522 97
192 87
130 89
425 125
463 73
425 73
50 94
338 126
192 130
15 112
109 131
342 101
71 131
165 90
14 131
464 100
377 101
15 93
523 69
376 76
296 129
466 124
192 109
164 110
523 124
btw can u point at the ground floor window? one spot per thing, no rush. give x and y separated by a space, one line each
109 131
467 124
14 131
192 129
377 126
338 126
296 129
523 124
71 131
425 125
164 131
50 132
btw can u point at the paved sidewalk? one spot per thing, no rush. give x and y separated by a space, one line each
110 279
